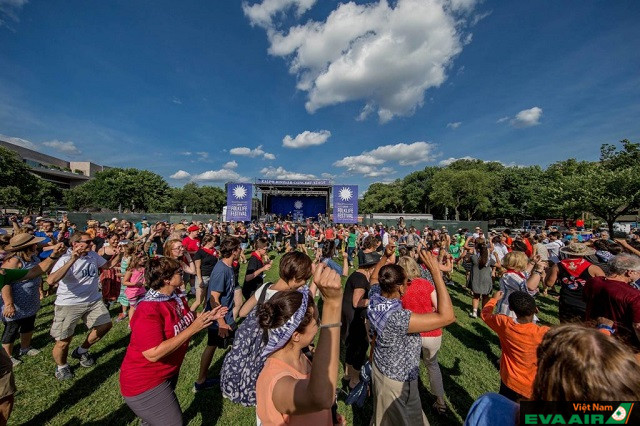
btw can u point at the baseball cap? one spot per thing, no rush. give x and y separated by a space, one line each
193 228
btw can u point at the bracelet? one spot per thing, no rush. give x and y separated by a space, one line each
54 258
537 272
335 324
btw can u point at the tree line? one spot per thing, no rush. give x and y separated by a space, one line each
113 189
462 190
478 190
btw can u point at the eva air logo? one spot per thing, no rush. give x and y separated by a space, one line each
621 415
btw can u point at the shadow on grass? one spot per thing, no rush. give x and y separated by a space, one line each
122 416
86 385
209 402
474 341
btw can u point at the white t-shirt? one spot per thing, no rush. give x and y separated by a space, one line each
554 250
500 250
270 292
81 283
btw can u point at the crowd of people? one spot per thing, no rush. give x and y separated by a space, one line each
284 339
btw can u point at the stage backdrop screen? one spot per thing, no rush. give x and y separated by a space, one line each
239 202
345 204
300 208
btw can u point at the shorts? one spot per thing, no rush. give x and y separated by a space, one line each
133 301
13 329
66 317
7 380
205 281
214 340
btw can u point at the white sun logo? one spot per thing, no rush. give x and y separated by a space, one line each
345 194
297 205
239 192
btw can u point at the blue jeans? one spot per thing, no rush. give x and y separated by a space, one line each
350 251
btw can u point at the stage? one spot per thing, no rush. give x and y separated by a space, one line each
295 199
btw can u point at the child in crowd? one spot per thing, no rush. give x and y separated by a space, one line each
519 340
134 281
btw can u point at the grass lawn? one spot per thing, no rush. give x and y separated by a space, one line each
468 359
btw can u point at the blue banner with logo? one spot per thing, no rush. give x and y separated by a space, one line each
345 204
239 202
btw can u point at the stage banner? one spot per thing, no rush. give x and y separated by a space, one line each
345 204
239 202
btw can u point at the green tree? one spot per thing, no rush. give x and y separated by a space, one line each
127 189
463 190
516 192
19 187
613 184
416 187
383 198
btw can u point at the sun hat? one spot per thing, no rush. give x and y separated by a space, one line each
370 259
115 219
180 227
577 249
193 228
21 241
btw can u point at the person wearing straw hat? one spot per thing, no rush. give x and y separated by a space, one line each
7 277
21 300
572 273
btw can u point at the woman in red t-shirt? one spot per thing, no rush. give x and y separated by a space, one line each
420 298
160 333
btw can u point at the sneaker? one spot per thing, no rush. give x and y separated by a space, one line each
29 351
207 384
86 360
15 361
64 374
473 314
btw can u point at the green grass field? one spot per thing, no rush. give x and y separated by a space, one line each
468 359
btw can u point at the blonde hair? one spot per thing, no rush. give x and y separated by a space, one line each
515 260
410 266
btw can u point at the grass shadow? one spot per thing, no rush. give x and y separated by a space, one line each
207 403
85 385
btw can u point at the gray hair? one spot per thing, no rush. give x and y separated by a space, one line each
624 262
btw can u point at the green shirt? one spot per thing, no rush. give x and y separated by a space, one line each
12 275
351 241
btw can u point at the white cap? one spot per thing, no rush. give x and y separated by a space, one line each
115 219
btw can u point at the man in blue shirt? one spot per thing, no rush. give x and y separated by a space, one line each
50 237
222 287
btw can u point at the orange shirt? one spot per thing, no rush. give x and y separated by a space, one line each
519 342
274 370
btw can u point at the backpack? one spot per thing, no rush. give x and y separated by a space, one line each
244 362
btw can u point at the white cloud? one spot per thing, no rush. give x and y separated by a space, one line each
64 147
187 153
176 101
328 176
230 165
202 155
454 125
503 119
368 162
384 56
306 139
19 141
453 160
262 14
280 173
248 152
9 9
180 174
223 175
527 117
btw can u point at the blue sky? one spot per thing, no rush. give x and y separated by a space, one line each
360 92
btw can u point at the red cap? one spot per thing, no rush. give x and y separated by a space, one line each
193 228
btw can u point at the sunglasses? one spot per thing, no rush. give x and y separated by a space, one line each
85 241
